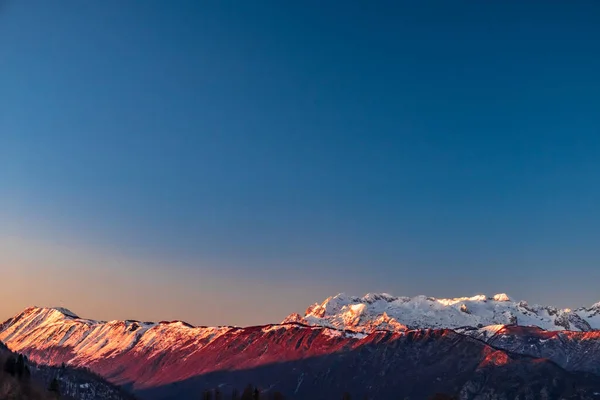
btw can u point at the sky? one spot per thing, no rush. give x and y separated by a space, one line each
234 162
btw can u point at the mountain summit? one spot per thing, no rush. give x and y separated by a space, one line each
383 311
169 360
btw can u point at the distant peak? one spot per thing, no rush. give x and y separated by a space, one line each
595 306
177 323
339 296
373 297
384 311
294 318
501 297
64 311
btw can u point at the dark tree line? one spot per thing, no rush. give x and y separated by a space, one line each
249 393
441 396
253 393
17 367
54 387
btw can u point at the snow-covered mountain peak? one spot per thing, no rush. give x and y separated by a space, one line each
294 318
501 297
51 310
65 311
383 311
373 297
47 314
37 317
450 302
595 306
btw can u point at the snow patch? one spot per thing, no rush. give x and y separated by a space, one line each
501 297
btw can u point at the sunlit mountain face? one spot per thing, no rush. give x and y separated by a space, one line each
376 345
383 311
21 378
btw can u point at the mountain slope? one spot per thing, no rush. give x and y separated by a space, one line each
414 365
383 311
574 351
34 379
176 360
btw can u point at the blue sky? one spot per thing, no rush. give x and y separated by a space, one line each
245 159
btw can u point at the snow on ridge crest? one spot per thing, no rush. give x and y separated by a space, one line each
66 312
37 310
47 328
449 302
501 297
383 311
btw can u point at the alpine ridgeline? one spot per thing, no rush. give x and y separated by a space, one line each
383 311
377 346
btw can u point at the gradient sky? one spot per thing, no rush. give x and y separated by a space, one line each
233 162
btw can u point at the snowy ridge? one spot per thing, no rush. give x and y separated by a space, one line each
90 340
150 355
386 312
173 360
58 334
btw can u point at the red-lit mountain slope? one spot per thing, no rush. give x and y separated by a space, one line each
175 360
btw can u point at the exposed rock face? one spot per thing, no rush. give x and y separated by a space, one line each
317 310
574 351
295 318
571 322
384 322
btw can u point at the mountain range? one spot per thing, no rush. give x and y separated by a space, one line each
384 311
378 346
